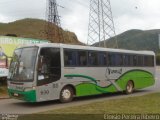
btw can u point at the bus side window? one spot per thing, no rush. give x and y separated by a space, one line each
92 58
102 59
82 58
140 60
70 57
119 59
134 60
149 61
111 59
126 60
131 64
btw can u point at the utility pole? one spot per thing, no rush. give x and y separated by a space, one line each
101 25
53 25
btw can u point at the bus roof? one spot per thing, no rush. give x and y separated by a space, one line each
80 47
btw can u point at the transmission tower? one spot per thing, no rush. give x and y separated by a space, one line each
53 25
101 25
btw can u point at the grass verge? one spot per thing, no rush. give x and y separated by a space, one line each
147 104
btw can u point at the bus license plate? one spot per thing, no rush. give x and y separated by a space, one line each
16 95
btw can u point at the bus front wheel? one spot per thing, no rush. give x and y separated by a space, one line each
66 94
129 87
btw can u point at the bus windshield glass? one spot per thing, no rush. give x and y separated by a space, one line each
23 64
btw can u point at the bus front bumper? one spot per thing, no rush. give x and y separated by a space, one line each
29 96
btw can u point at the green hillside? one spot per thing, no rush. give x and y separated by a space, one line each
34 28
136 40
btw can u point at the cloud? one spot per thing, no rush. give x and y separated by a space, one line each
136 14
18 9
76 18
3 18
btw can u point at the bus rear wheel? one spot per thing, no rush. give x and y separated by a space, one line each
129 87
66 94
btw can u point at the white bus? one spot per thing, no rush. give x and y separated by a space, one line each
53 71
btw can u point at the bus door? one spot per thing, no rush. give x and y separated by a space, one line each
49 71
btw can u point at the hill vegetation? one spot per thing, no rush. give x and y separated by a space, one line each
35 28
137 40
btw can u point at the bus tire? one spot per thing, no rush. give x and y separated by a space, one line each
66 94
129 87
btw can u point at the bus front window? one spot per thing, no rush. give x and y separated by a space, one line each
23 64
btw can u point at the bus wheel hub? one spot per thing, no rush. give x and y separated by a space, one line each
129 87
66 94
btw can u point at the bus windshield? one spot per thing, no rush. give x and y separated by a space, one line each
23 64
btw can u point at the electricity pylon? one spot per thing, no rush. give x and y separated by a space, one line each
101 25
53 31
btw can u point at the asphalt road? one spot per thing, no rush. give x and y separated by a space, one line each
12 106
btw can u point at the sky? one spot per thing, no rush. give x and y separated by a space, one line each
127 14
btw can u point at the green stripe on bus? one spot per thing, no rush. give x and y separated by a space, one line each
136 75
29 96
